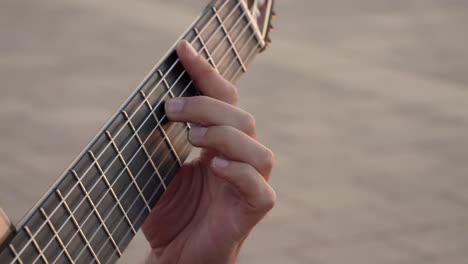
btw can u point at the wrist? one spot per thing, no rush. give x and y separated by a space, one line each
227 257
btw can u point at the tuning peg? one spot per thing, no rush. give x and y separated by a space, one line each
271 28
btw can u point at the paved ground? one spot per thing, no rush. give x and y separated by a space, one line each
369 119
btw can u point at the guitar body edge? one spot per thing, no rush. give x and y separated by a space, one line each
6 227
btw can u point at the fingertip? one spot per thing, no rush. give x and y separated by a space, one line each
186 51
180 47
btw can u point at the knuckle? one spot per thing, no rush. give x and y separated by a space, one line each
207 73
217 135
248 124
232 92
268 159
188 105
208 70
197 101
196 109
269 200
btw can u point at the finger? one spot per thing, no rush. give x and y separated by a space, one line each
235 145
207 111
207 79
246 179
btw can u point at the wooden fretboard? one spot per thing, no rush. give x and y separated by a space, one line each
94 210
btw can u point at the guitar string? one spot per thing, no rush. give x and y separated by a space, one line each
173 164
143 165
169 131
223 57
167 154
126 123
235 75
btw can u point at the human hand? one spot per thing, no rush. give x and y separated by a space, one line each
217 199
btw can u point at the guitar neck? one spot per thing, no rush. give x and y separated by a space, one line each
94 210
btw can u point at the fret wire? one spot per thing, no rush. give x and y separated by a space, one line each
97 211
157 189
98 166
248 56
147 156
138 174
141 211
187 87
167 72
144 142
256 30
77 226
153 196
245 44
208 53
17 257
188 84
133 178
226 32
184 148
159 186
164 81
161 74
181 132
161 129
94 210
67 254
41 254
187 144
235 41
103 220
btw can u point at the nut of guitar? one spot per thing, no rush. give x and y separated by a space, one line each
5 226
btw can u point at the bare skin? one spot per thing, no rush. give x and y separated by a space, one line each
217 199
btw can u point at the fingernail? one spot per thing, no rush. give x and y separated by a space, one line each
219 163
191 52
198 132
174 105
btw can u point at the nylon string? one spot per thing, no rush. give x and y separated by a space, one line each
30 240
182 93
186 144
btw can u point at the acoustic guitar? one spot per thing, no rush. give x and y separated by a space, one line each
96 207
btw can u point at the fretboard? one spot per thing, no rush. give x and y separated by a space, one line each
94 210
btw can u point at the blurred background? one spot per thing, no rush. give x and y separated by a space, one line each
364 102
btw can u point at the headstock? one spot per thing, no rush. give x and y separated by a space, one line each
263 13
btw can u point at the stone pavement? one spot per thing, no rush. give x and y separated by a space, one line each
369 120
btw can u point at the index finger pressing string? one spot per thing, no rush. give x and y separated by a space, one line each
207 78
